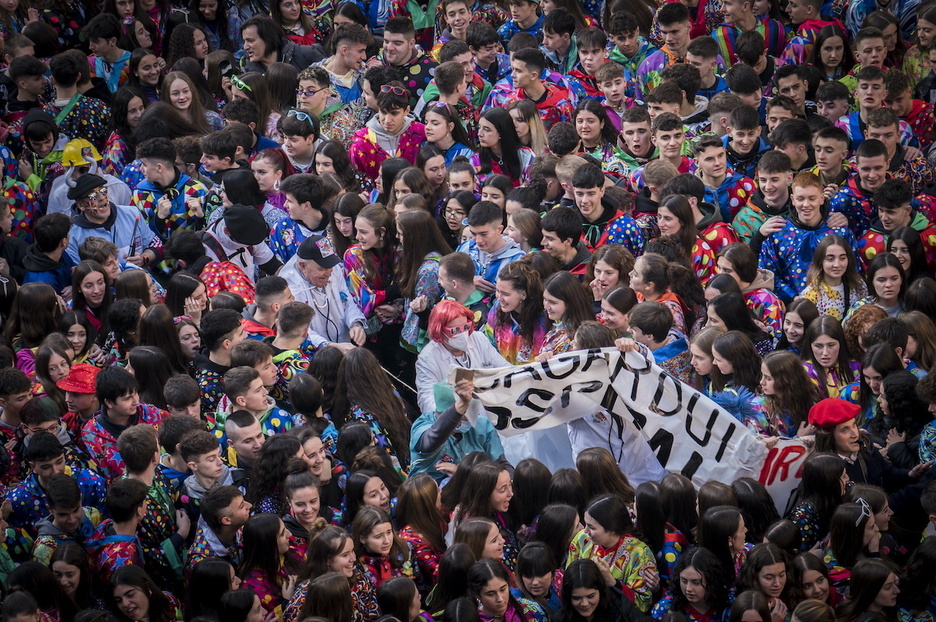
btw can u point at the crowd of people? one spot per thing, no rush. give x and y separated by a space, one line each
244 243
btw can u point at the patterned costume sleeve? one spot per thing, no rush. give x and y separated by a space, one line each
270 597
803 516
928 443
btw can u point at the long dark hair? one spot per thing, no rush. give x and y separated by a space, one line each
160 608
209 580
509 144
734 313
157 329
679 205
261 532
36 313
714 578
584 573
416 508
450 115
717 525
273 466
483 571
120 104
220 22
362 383
421 237
827 32
181 286
152 369
529 315
338 154
790 379
39 581
530 494
911 237
578 307
241 187
917 578
846 532
608 133
74 554
867 578
821 487
759 557
757 507
881 261
555 528
737 349
454 566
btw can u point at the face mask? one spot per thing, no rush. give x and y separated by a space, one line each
459 341
463 427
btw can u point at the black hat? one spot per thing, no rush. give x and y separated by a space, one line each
245 224
319 248
85 185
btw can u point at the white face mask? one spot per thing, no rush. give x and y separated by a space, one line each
459 341
463 427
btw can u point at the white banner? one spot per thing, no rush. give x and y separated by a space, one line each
686 430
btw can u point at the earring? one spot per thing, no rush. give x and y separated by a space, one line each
276 186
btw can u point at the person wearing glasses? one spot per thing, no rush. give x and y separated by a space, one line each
300 132
392 133
123 225
315 96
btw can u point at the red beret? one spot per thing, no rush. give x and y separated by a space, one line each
832 411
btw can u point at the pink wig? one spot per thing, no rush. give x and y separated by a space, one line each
443 313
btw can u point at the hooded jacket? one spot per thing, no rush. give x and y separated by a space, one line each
488 265
372 145
875 241
750 218
49 537
41 268
730 195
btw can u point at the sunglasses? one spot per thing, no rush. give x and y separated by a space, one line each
302 116
865 511
301 93
396 90
240 84
456 330
100 193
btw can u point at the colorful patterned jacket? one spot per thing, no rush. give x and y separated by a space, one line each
632 65
788 254
648 75
156 532
631 562
425 557
98 435
367 154
799 47
852 124
509 28
726 35
702 21
922 120
731 195
746 163
30 503
876 239
830 302
116 155
618 229
146 199
110 551
855 203
87 119
917 172
50 537
766 307
509 341
25 206
363 599
269 592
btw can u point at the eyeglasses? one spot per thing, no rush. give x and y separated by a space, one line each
182 318
396 90
100 193
454 213
301 93
240 84
302 116
456 330
865 511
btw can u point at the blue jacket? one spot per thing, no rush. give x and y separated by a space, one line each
42 269
126 227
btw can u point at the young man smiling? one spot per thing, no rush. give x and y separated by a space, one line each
855 199
893 201
768 207
602 221
488 248
788 251
401 53
743 142
724 188
552 101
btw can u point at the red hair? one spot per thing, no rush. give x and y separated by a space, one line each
443 313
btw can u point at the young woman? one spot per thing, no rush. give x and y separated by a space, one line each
80 333
127 106
603 475
567 305
809 579
753 499
501 152
765 570
495 189
452 583
72 569
666 541
729 312
853 535
363 393
833 282
186 295
139 599
451 220
675 219
821 489
827 362
347 208
253 86
151 368
880 506
598 137
783 399
419 511
887 283
656 280
722 531
905 244
517 322
365 488
586 596
481 535
739 365
189 337
332 550
297 25
878 362
831 54
916 61
707 376
753 606
916 582
445 130
487 493
523 227
179 91
332 157
699 589
610 266
36 312
423 247
269 168
274 464
799 316
874 589
538 577
187 41
371 265
489 582
607 536
903 415
380 552
615 306
529 125
398 597
146 73
921 342
263 569
136 284
53 363
431 161
307 511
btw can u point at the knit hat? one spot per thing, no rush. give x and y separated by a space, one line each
319 248
245 224
832 411
80 379
86 184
